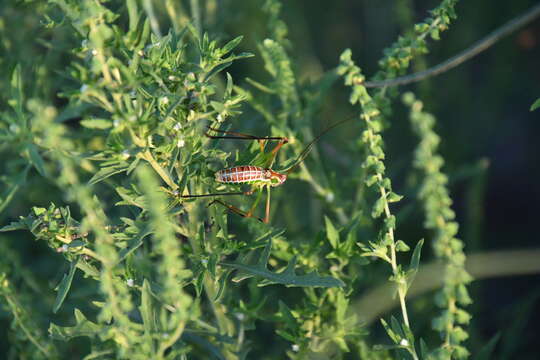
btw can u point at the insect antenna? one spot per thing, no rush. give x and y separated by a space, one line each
309 146
236 135
216 194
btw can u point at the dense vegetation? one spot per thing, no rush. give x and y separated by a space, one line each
104 107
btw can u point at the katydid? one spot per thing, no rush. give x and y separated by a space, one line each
259 173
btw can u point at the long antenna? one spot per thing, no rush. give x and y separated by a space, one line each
309 146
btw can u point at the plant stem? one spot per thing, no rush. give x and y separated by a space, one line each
196 13
393 262
164 174
463 56
15 306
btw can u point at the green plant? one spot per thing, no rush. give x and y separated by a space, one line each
109 124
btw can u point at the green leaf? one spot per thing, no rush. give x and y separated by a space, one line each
203 343
331 233
14 225
415 258
396 327
106 172
286 315
396 338
134 243
215 70
393 197
415 262
64 286
100 124
424 350
486 352
231 45
401 246
378 207
286 277
36 159
10 192
83 327
535 105
147 310
222 284
229 87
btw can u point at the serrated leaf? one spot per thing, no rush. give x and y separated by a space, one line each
64 286
287 277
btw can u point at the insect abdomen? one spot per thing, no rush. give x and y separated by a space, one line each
240 174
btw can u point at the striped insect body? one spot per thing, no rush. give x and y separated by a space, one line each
258 177
248 174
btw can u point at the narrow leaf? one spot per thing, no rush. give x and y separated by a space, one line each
287 277
415 259
106 172
100 124
36 159
14 225
486 352
231 45
535 105
83 327
331 233
147 311
64 286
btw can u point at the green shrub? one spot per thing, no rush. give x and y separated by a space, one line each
103 139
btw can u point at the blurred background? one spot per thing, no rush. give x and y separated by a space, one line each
490 139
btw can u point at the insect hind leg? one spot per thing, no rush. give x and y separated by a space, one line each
236 210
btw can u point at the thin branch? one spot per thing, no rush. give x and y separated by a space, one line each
465 55
493 264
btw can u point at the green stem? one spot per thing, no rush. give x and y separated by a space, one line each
164 174
14 306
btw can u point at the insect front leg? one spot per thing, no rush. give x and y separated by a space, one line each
246 214
255 203
267 209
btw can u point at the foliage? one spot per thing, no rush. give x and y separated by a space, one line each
108 124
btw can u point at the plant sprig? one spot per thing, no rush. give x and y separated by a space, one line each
440 218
